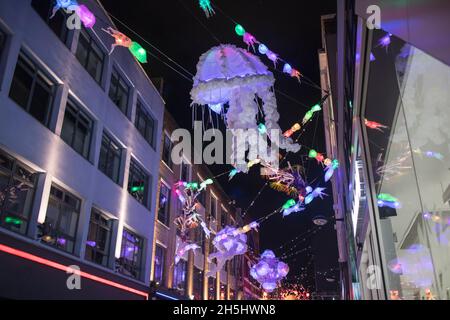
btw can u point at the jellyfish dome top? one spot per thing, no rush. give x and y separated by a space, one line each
228 75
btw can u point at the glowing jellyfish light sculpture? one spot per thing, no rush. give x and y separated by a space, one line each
63 4
269 271
229 242
233 77
120 39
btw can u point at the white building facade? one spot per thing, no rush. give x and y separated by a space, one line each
79 156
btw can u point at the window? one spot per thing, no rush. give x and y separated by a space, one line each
110 158
138 183
202 196
179 276
223 218
198 283
77 129
32 90
160 255
145 124
119 91
99 238
17 184
2 41
213 207
130 259
211 288
185 171
60 226
167 150
164 204
90 55
58 23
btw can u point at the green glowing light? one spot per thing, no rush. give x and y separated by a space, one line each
387 197
312 153
139 52
262 128
239 30
308 116
12 220
316 108
290 203
335 164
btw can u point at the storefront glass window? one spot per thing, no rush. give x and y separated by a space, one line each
406 119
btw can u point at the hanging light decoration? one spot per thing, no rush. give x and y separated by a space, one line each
206 7
138 52
119 38
269 271
63 4
240 31
86 16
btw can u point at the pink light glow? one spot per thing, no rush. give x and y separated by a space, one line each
58 266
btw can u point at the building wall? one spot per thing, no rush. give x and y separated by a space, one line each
165 235
43 150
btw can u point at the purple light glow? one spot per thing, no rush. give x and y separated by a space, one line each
86 16
385 41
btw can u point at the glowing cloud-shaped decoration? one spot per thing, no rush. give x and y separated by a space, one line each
229 242
269 271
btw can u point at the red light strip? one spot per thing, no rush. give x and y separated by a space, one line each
55 265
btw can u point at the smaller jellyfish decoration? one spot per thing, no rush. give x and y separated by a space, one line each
269 270
229 242
317 192
206 7
190 218
120 39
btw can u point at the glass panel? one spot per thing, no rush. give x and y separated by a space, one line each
408 94
21 85
40 102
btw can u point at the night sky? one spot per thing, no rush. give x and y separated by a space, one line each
291 29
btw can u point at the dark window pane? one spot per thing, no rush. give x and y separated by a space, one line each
118 91
2 41
138 183
90 55
110 158
32 90
164 203
17 186
99 237
145 124
130 259
40 102
21 84
167 151
160 254
77 129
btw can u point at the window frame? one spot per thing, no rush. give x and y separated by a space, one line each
111 142
163 263
59 204
168 162
167 207
79 112
38 75
137 167
140 254
91 42
120 78
142 112
12 175
107 252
